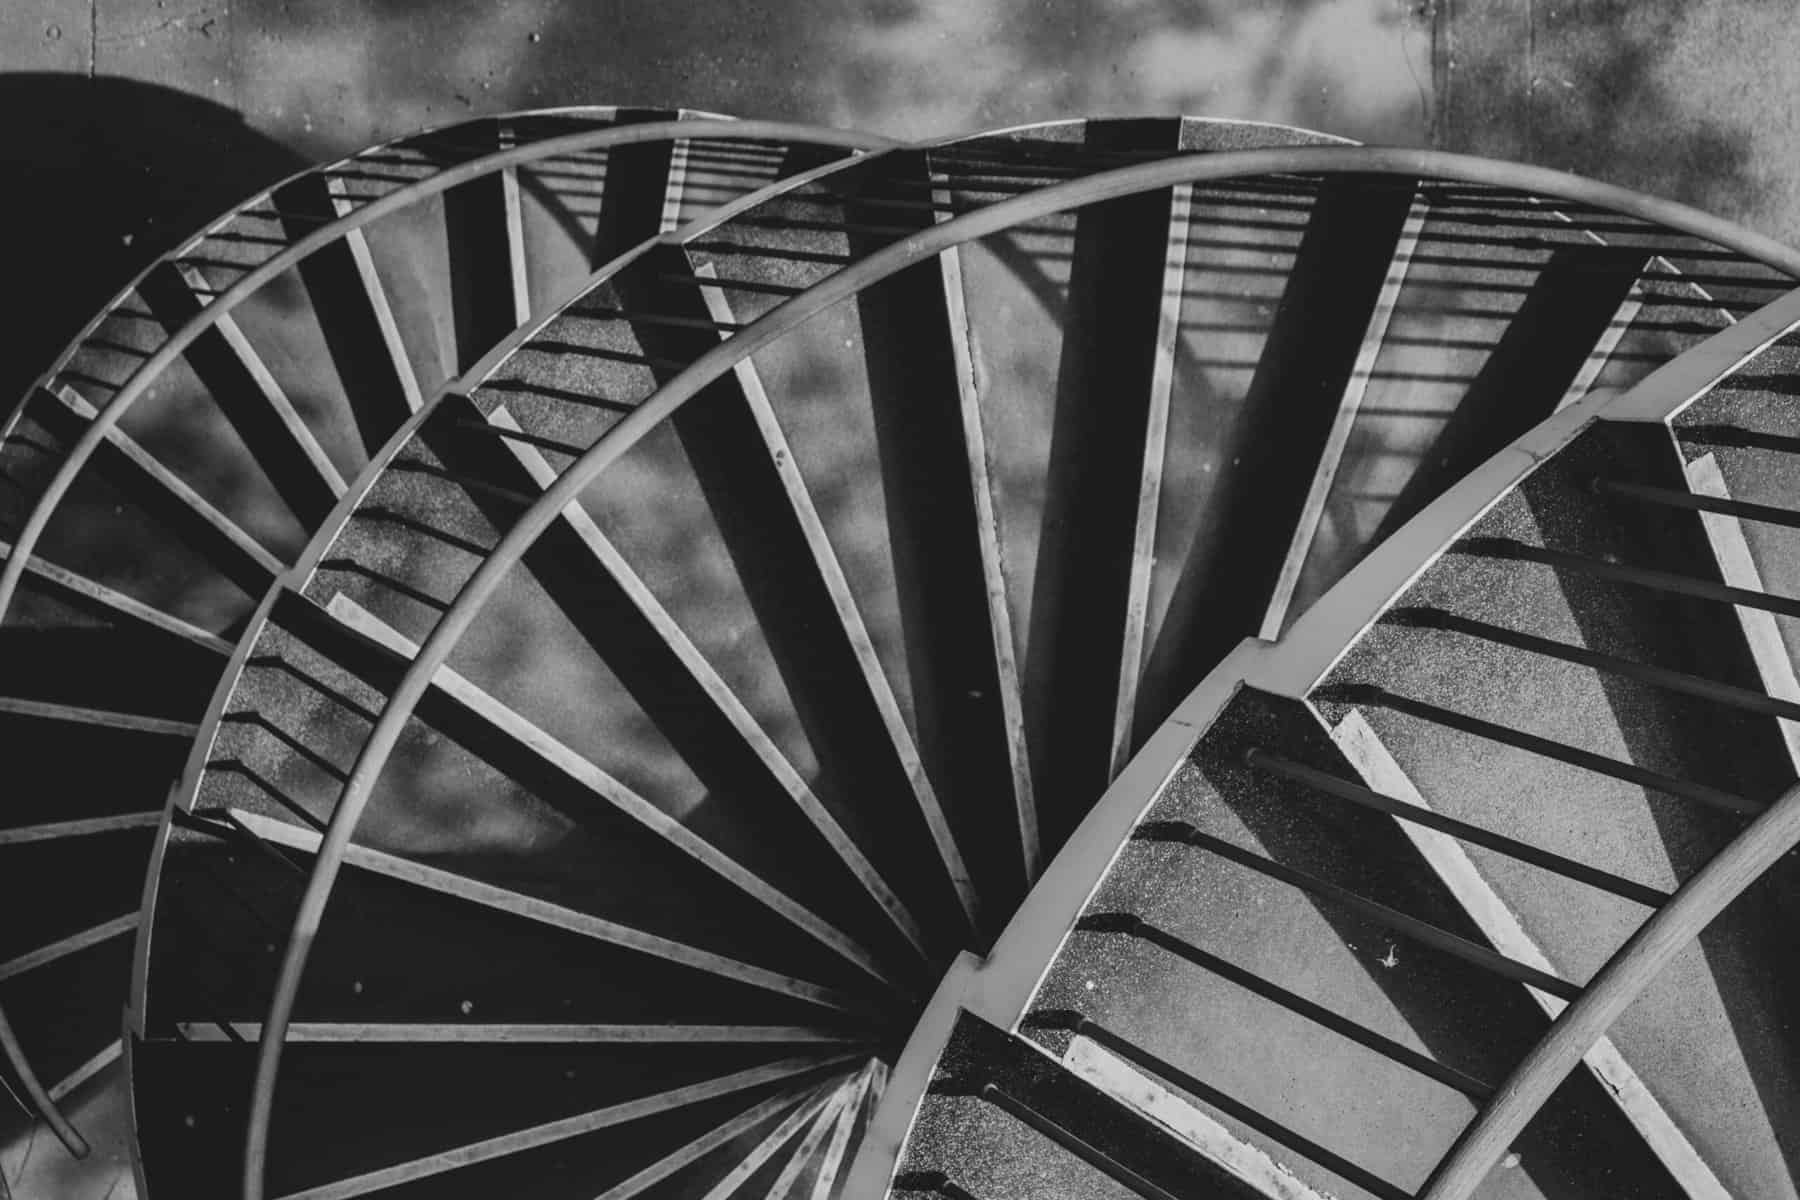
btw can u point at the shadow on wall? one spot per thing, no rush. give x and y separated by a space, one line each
100 176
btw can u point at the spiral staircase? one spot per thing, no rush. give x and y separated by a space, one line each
618 652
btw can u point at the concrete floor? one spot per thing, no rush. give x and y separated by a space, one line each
132 120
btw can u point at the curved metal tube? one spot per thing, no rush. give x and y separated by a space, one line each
1626 974
34 1091
436 649
152 367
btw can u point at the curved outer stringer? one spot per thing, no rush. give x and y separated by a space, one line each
698 701
1514 800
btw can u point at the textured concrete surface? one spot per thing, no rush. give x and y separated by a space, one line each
135 119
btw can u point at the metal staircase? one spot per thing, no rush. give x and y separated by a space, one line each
682 657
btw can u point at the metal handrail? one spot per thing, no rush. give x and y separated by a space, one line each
1631 969
715 363
36 1093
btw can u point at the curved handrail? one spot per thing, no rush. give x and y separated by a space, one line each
34 1091
145 375
712 365
1610 992
1320 136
